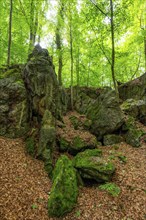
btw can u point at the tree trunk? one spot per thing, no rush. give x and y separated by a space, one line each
113 49
71 59
59 41
77 67
60 63
10 33
33 25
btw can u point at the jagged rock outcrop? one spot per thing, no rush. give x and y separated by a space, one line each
42 87
105 114
13 104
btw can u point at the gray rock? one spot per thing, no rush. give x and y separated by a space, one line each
110 139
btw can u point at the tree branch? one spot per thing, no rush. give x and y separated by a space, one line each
98 8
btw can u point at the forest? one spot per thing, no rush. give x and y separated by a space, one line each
72 109
92 43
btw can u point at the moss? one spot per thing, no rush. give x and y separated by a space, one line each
75 122
64 191
87 124
92 166
30 146
133 137
111 188
78 143
64 145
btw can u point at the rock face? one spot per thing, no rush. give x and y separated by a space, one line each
91 165
64 191
13 104
135 108
105 114
101 107
110 139
42 87
135 89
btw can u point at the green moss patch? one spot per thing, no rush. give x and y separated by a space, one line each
64 191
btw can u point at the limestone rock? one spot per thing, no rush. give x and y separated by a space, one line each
135 108
42 87
110 139
64 191
77 144
91 165
135 89
105 114
133 137
13 104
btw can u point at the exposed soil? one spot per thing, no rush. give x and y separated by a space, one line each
25 186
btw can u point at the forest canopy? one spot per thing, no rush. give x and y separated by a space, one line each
91 42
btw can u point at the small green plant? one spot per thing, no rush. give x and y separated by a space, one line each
78 214
111 188
122 158
34 206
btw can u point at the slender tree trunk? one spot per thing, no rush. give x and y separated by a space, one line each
10 33
145 52
71 59
60 63
33 25
77 67
113 49
59 41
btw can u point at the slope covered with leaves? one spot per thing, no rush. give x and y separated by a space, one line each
25 186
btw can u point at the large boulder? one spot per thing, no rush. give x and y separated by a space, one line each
135 108
135 89
64 191
133 137
77 143
91 165
106 114
13 104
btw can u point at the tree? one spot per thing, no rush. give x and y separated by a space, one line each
113 47
10 33
59 40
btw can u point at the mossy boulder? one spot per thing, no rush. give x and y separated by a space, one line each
80 122
111 139
133 137
135 89
105 114
91 165
77 144
135 108
64 192
13 104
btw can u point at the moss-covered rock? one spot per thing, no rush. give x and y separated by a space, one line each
13 104
91 165
105 114
135 108
30 146
64 190
135 89
133 137
111 139
77 144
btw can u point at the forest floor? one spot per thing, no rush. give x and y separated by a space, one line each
25 186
